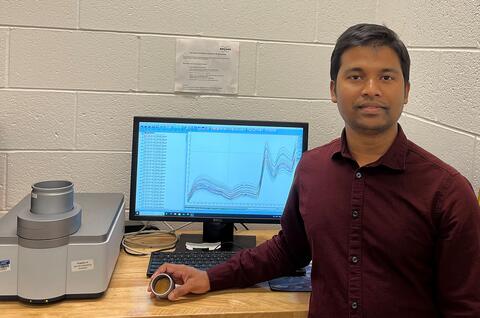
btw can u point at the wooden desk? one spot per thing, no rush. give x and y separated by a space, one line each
127 297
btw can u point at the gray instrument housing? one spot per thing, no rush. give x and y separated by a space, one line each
50 256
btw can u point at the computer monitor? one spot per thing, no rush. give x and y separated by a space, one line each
218 172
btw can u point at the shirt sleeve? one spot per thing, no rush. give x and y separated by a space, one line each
282 254
458 250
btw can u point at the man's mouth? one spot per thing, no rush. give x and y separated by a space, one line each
371 106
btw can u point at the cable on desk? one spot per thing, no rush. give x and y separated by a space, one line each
246 228
147 238
150 237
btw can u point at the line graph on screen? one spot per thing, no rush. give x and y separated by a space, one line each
222 170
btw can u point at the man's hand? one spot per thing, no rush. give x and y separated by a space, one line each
191 280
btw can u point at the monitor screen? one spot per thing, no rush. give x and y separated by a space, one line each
213 170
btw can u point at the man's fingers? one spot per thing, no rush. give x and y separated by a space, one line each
179 291
178 277
169 268
189 280
173 269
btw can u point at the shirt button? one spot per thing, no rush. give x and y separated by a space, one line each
355 259
354 305
358 175
355 214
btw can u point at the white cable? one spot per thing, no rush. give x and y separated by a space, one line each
168 225
129 238
182 226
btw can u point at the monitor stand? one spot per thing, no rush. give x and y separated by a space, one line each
218 232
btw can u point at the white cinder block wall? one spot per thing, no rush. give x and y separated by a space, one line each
73 73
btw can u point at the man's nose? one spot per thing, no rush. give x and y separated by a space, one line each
371 88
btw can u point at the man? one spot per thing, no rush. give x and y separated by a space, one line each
391 230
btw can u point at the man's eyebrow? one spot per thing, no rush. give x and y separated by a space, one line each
390 70
383 70
354 69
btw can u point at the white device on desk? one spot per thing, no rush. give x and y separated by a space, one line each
55 244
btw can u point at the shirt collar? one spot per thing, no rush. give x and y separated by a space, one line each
395 157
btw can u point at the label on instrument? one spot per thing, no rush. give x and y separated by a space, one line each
5 265
82 265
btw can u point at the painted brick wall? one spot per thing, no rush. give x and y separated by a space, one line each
73 73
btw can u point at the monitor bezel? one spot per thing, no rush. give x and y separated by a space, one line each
134 156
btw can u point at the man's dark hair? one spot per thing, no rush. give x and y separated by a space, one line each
369 35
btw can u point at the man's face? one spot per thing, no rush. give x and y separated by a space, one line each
370 90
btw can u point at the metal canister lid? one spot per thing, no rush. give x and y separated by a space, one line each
161 285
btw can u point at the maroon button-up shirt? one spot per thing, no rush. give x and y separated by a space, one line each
397 238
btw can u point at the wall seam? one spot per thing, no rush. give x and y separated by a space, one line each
147 93
78 14
317 8
441 125
474 176
139 48
187 36
257 58
322 44
4 196
443 49
7 59
75 117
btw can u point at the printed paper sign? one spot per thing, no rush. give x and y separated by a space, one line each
207 66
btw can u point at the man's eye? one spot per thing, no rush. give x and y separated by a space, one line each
387 78
355 77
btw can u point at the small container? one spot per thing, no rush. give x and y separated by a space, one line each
162 285
52 197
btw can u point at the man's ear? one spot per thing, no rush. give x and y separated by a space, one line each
333 92
407 91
